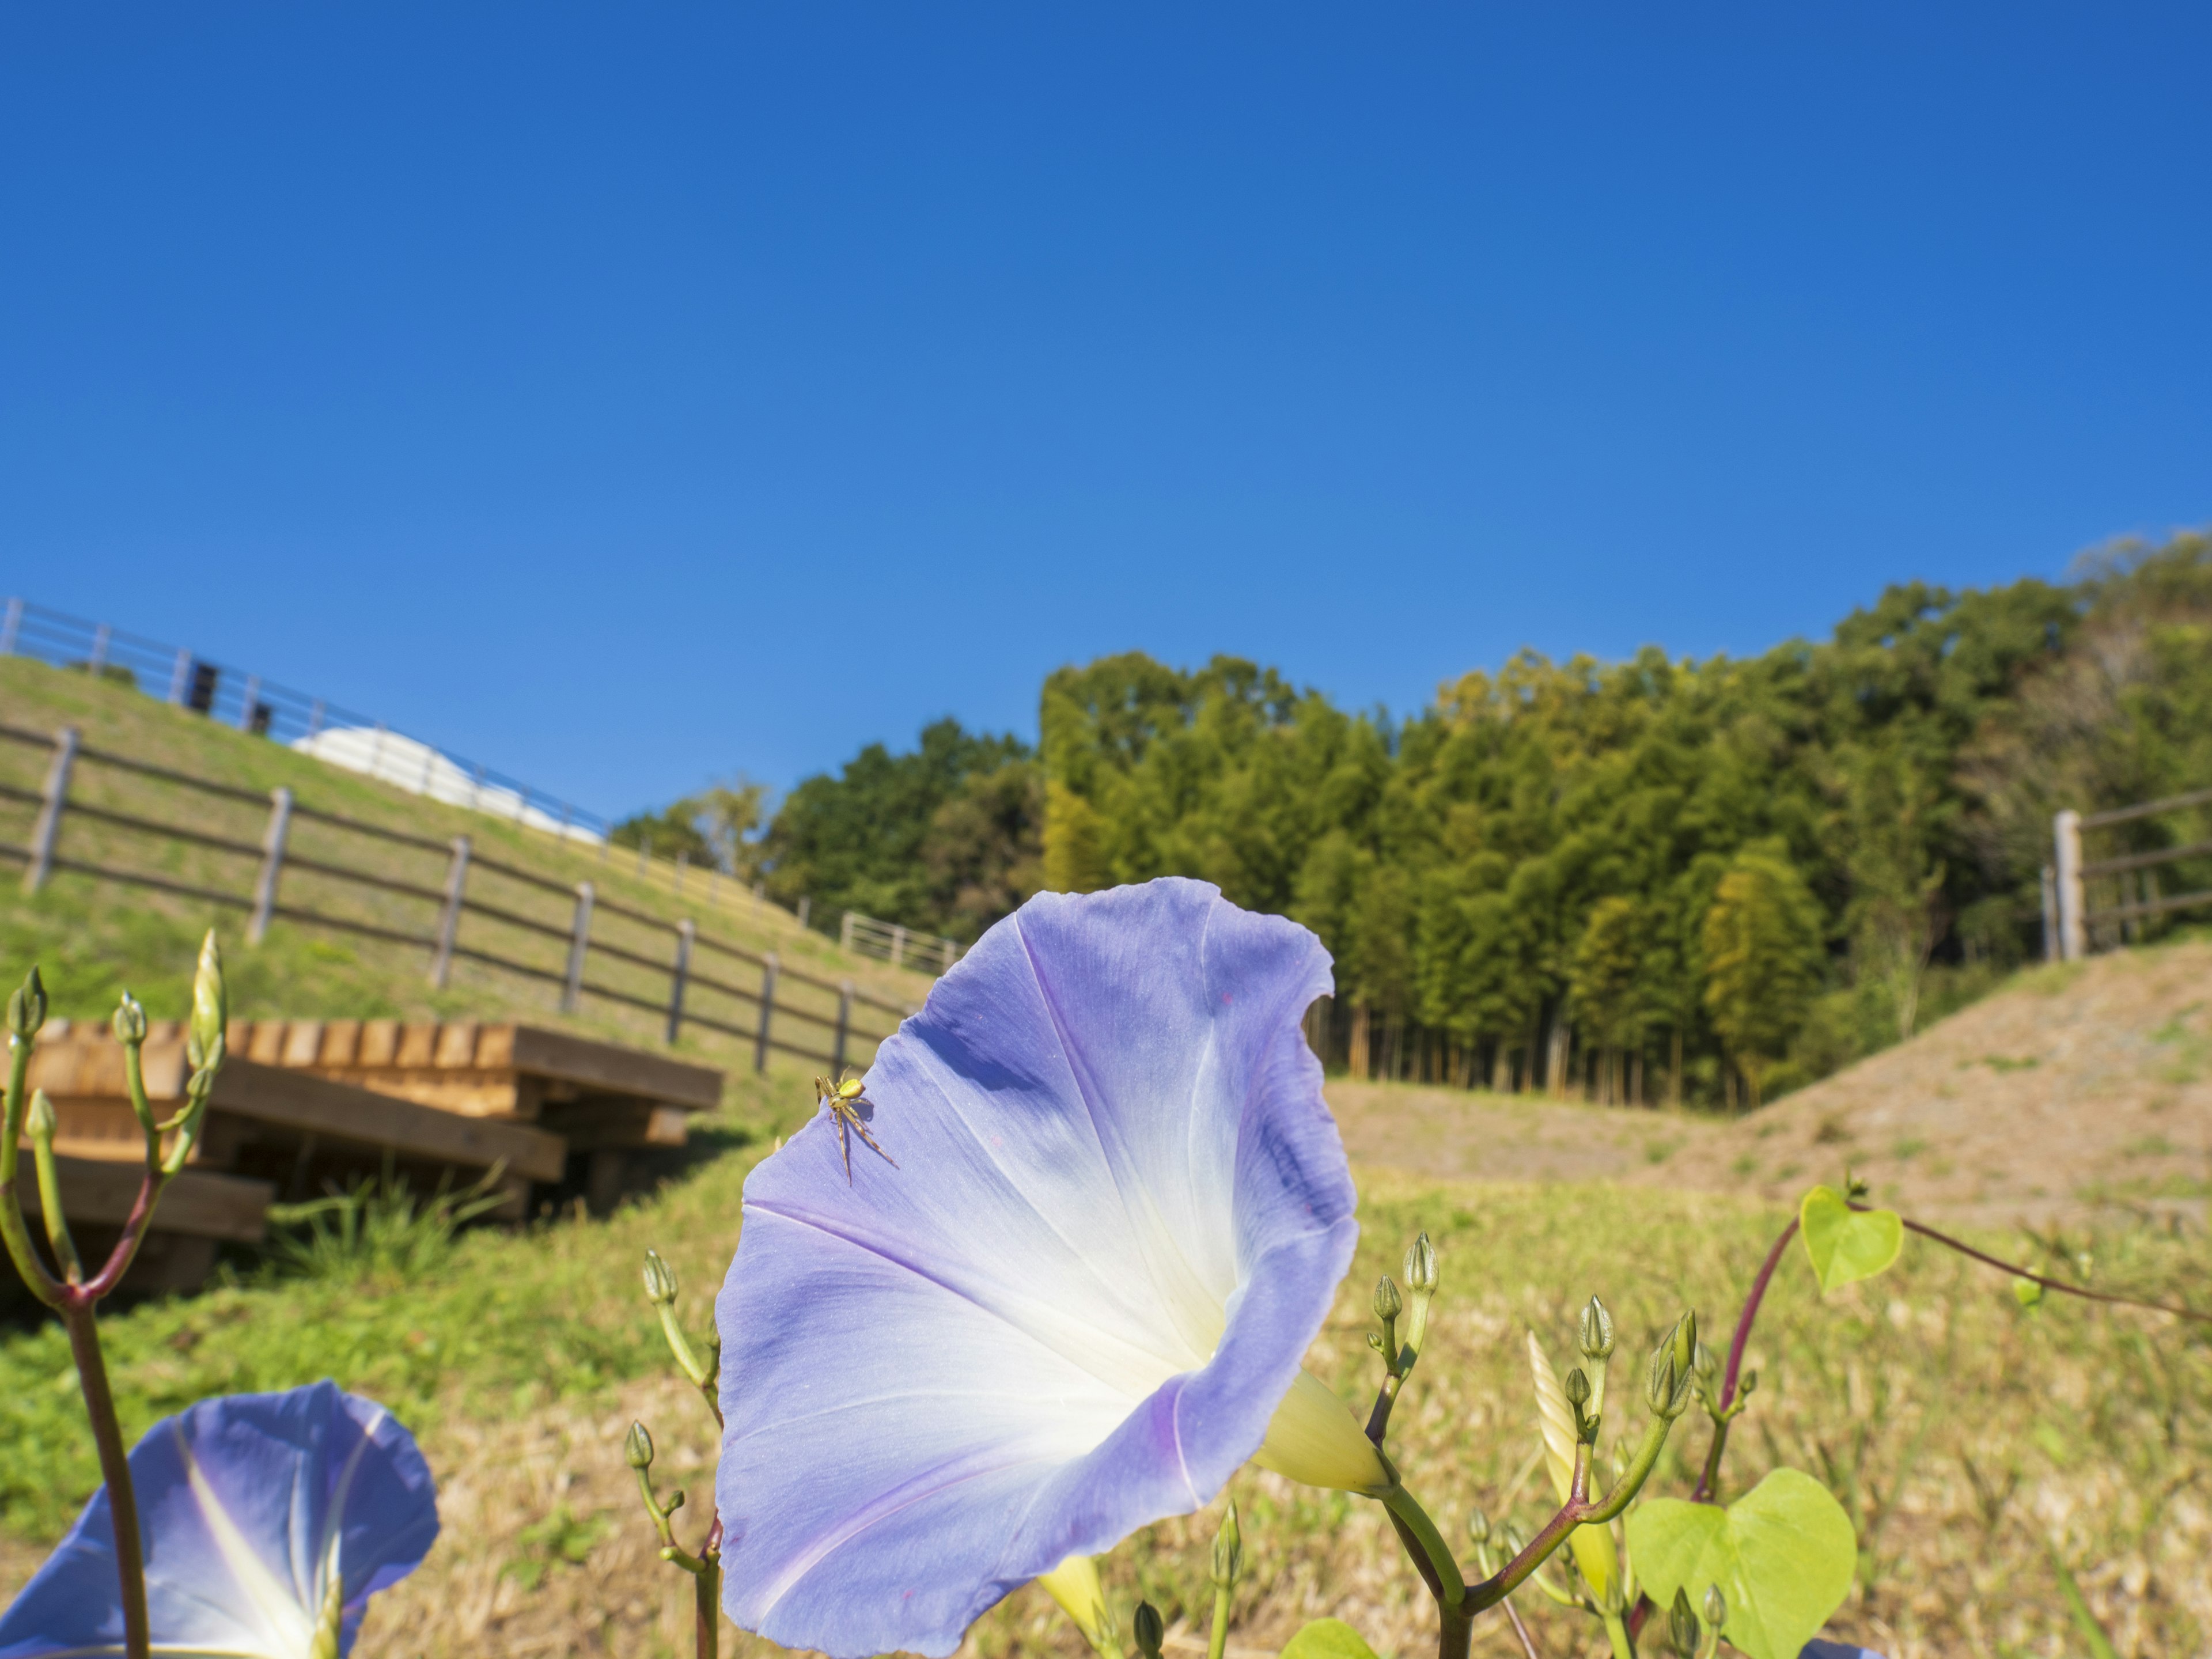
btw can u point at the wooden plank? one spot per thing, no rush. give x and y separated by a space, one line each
341 1042
456 1043
303 1041
591 1124
618 1070
267 1048
348 1115
97 1192
418 1043
380 1042
472 1093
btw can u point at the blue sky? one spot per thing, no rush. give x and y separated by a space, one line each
625 395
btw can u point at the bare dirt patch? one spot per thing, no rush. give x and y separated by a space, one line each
2079 1093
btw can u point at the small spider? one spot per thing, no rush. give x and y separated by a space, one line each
846 1103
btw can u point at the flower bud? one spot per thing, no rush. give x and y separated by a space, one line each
1659 1379
1682 1631
26 1007
1421 1275
1578 1388
1715 1607
1478 1527
40 1122
1593 1333
1744 1388
637 1447
1228 1551
1150 1630
1686 1346
659 1280
129 1020
1389 1304
210 1008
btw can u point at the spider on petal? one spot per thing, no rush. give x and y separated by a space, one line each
845 1100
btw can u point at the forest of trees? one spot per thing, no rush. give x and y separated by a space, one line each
1658 879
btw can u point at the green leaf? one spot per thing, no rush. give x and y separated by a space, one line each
1328 1638
1783 1555
1847 1245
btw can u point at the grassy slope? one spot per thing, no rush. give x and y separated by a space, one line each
1964 1434
92 937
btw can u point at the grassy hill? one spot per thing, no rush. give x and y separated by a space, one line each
95 937
1967 1438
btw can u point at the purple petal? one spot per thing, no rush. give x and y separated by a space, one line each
241 1501
1118 1212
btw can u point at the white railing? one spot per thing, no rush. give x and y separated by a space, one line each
901 947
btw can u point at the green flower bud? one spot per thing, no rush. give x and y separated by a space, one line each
129 1020
41 1122
637 1447
1682 1632
27 1008
1686 1346
1228 1551
210 1009
1578 1388
1715 1607
1421 1275
1151 1631
1593 1333
2026 1292
1389 1304
1743 1387
1478 1527
1659 1379
659 1280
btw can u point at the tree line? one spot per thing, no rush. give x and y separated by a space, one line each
1657 879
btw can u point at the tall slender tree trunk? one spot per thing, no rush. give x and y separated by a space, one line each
1357 1064
1674 1068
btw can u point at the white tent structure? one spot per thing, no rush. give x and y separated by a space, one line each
421 770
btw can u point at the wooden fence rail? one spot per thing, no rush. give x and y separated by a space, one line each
2094 903
772 1015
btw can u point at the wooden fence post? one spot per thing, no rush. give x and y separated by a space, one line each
2072 930
181 674
245 707
767 1008
579 939
10 628
272 864
898 945
2050 913
48 827
844 1026
681 977
805 907
845 933
449 919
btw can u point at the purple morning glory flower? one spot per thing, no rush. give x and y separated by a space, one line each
1118 1215
263 1514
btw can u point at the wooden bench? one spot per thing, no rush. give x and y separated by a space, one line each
605 1101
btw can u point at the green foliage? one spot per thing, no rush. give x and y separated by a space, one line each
1762 942
1847 1245
375 1228
1326 1638
1783 1555
947 838
713 828
559 1540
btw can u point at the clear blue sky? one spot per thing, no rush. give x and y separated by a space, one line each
625 395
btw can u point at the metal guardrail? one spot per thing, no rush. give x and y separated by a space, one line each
234 696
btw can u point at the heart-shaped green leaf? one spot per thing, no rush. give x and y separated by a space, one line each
1328 1638
1847 1245
1782 1554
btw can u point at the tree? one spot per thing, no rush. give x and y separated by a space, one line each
1762 946
984 849
1602 983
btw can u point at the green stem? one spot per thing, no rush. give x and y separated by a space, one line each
1217 1640
1401 1504
115 1470
50 1197
1616 1632
707 1606
13 1232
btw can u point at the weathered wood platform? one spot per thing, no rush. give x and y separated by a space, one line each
299 1101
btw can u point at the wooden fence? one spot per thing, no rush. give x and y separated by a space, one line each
93 811
2099 904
